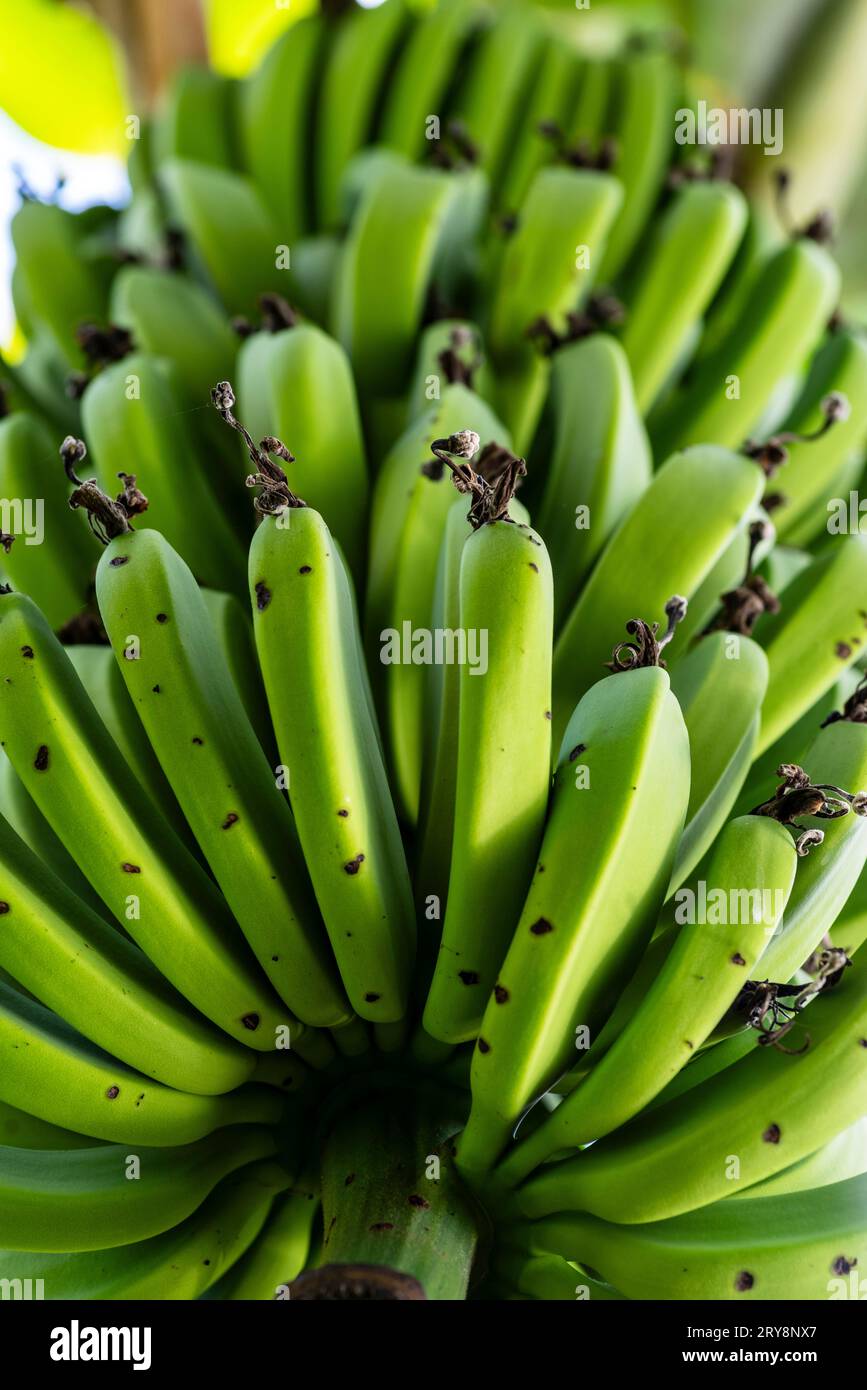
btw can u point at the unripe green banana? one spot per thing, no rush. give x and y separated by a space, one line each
819 631
841 1158
234 634
79 780
360 53
762 237
600 460
792 299
61 952
169 316
96 1200
797 1246
51 556
64 1079
196 119
275 118
691 249
135 411
19 1130
550 1277
720 686
411 502
382 281
429 58
550 105
748 1122
449 351
644 91
752 869
233 237
667 544
620 795
278 1254
315 262
194 719
503 767
299 384
308 645
63 286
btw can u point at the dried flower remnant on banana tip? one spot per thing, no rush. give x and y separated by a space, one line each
646 648
107 518
275 495
797 796
491 487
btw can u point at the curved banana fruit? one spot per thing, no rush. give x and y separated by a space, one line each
234 240
196 119
430 57
792 298
745 1124
360 53
819 631
274 118
300 386
278 1254
798 1246
19 1130
135 410
551 103
64 1079
180 1263
234 635
841 1158
692 246
719 686
751 869
308 645
667 544
502 776
550 1278
169 316
620 795
74 292
151 884
51 555
449 351
196 724
600 461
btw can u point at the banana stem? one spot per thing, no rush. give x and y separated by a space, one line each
394 1210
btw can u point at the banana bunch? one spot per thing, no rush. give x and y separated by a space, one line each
433 786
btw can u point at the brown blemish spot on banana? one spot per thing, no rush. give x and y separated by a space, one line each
501 994
112 1093
353 865
27 653
382 1226
772 1134
468 977
737 959
250 1022
690 1045
415 1200
40 762
343 813
577 751
162 617
120 560
862 1042
4 908
547 714
155 689
198 741
842 1265
744 1281
541 927
231 819
533 566
130 868
263 595
349 1180
306 569
843 651
484 1046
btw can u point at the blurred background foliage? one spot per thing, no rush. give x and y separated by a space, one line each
71 73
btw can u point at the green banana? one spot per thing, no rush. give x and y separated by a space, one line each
194 719
550 1277
51 556
798 1246
78 779
382 281
819 631
275 126
135 410
299 385
549 108
169 316
315 262
502 773
22 1131
692 246
196 120
752 869
418 89
234 635
841 1158
309 652
590 116
720 686
411 501
600 460
449 351
47 238
104 1197
235 243
620 795
60 951
360 53
745 1124
278 1254
667 544
64 1079
644 90
792 298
